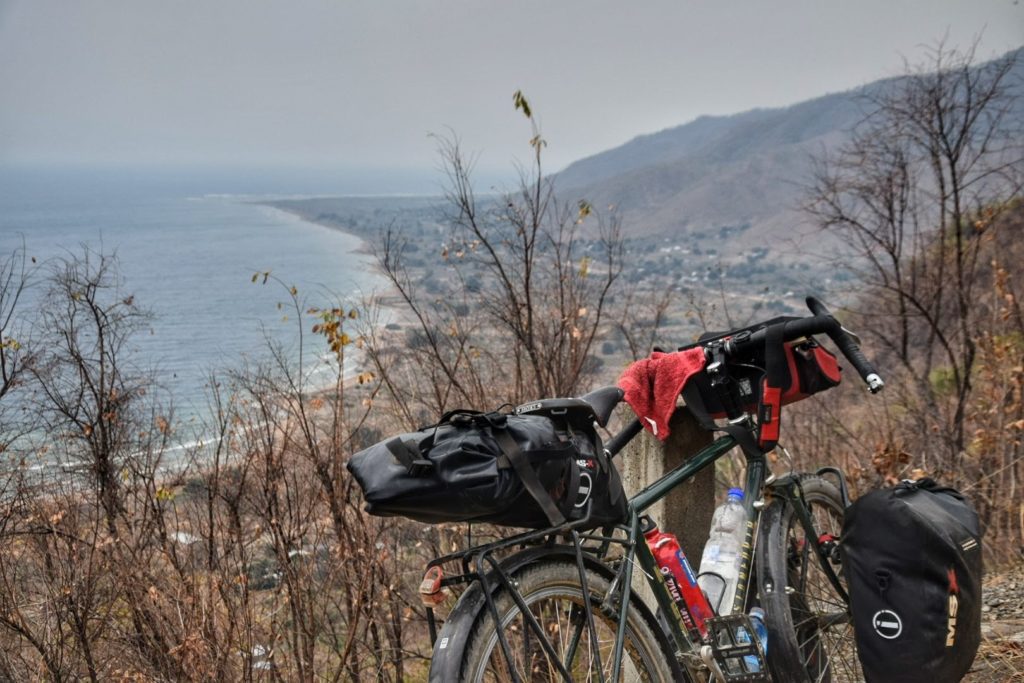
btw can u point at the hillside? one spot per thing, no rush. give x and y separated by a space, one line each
745 171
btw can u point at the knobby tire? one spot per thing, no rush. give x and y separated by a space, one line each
810 634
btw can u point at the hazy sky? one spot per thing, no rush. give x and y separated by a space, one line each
348 83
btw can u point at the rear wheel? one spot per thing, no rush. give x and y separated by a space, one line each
810 631
552 592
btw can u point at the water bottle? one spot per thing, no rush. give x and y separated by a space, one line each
681 583
761 631
720 563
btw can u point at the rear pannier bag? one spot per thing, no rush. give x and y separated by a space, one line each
523 470
911 556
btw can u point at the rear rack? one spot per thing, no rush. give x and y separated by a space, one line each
480 563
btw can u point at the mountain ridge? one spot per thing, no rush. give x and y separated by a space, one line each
745 169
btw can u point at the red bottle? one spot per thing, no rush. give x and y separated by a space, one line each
681 582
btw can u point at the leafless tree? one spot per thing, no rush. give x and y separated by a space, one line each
87 381
530 283
916 193
16 346
246 556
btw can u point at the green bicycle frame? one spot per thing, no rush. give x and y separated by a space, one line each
636 546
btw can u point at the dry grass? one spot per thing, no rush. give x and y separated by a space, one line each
1001 656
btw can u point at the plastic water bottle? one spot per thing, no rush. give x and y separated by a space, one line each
720 563
761 631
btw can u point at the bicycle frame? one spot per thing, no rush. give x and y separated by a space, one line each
756 469
480 564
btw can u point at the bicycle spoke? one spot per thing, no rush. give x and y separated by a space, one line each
821 636
565 628
527 649
838 641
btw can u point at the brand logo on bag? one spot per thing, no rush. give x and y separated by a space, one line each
887 624
528 408
969 544
954 604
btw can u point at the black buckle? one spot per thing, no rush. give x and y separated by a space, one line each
408 453
419 467
497 420
462 420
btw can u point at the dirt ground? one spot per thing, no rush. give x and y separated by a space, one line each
1001 656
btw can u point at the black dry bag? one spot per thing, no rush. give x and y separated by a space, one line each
542 467
912 560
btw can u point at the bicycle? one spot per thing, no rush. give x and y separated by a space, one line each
565 601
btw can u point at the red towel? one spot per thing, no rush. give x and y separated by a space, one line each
652 386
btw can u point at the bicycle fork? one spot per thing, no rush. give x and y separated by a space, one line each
789 488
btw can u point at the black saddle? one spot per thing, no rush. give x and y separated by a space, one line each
596 406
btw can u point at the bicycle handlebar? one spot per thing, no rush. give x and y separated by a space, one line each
851 349
822 322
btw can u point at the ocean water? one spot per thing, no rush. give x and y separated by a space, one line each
188 244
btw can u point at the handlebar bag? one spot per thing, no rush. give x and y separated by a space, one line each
808 368
911 556
529 471
766 378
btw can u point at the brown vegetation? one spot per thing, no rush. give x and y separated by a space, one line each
244 556
124 555
927 195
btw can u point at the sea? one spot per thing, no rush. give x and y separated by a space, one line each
187 243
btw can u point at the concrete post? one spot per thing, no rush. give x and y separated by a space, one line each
686 511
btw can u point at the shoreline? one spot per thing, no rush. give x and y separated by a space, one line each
323 211
384 308
314 209
363 249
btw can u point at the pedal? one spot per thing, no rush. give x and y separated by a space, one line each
735 654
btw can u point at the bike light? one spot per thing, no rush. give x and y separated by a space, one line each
432 593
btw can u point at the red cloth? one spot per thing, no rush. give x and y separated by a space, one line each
652 386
